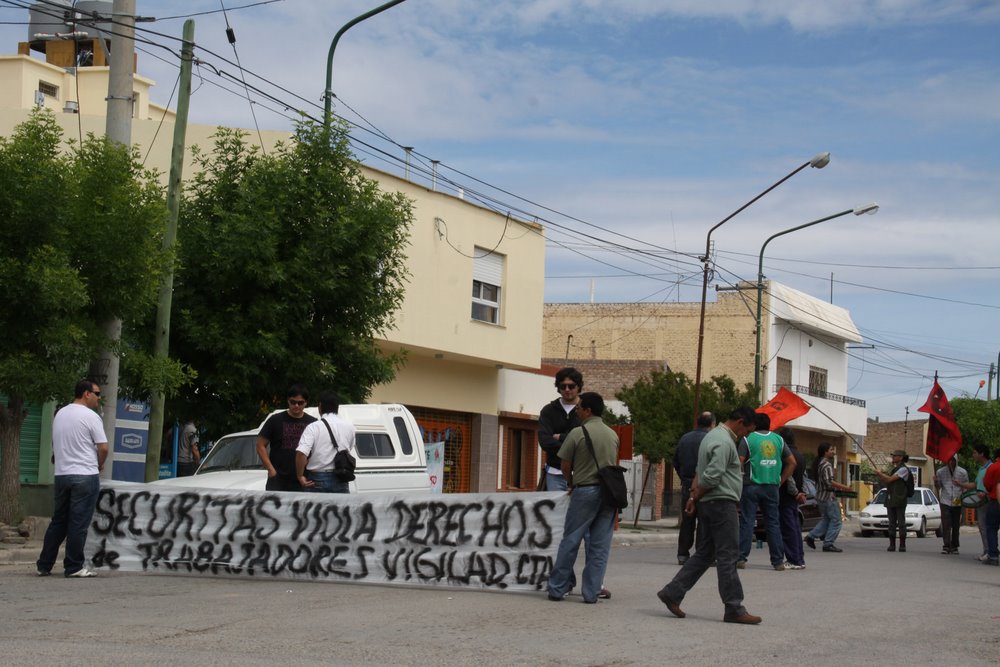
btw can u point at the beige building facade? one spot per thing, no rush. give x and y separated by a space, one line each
473 303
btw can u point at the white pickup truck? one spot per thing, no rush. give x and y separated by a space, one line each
390 453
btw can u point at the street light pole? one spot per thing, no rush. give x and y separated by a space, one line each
328 96
817 162
860 210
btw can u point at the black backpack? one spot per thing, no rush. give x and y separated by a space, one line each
911 483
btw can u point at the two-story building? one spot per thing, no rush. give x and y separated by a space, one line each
473 303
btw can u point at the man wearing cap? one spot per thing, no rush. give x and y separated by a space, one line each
949 481
896 497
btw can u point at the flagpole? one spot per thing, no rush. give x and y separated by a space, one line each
855 440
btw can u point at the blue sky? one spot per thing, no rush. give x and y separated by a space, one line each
642 123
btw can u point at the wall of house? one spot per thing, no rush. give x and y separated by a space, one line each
436 314
665 333
20 75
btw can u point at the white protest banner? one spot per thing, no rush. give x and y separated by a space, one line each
499 541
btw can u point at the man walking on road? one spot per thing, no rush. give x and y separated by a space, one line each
79 447
949 481
715 495
685 463
828 528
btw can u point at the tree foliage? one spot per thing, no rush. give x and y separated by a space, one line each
979 422
81 236
661 408
290 264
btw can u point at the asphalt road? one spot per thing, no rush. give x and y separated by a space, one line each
860 607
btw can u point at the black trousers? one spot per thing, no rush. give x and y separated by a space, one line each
897 520
951 521
685 541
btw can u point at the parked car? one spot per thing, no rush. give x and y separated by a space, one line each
390 455
809 514
923 513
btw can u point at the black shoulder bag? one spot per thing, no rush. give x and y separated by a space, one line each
343 463
611 479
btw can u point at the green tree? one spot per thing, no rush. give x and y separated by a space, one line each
979 422
80 231
661 406
290 264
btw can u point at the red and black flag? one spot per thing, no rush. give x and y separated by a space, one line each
783 408
943 437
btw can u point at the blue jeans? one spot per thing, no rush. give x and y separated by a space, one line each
555 482
75 500
791 533
766 495
828 528
718 540
589 520
326 482
992 526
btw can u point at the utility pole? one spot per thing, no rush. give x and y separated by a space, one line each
161 346
119 129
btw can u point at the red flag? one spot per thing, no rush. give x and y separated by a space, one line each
783 408
943 437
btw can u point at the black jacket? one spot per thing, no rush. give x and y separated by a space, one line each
553 419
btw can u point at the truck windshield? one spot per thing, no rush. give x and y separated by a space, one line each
236 453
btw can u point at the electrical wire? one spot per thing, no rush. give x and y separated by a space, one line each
231 36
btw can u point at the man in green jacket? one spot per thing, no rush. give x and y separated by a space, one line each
715 495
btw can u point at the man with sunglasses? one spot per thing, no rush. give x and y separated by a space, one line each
79 449
279 438
555 421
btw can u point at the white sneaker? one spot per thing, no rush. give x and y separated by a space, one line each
793 566
982 558
82 573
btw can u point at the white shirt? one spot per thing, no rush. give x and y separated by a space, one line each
315 441
948 493
76 432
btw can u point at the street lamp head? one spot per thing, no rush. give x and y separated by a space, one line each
820 161
870 209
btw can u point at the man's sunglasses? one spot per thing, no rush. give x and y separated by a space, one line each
567 385
292 401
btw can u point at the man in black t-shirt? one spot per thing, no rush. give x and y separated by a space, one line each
278 438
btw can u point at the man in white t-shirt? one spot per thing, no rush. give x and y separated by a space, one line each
314 454
79 449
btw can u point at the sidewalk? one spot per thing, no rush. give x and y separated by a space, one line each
647 532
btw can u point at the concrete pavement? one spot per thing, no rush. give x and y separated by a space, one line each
859 607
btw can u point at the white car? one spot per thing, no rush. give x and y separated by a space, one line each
923 513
